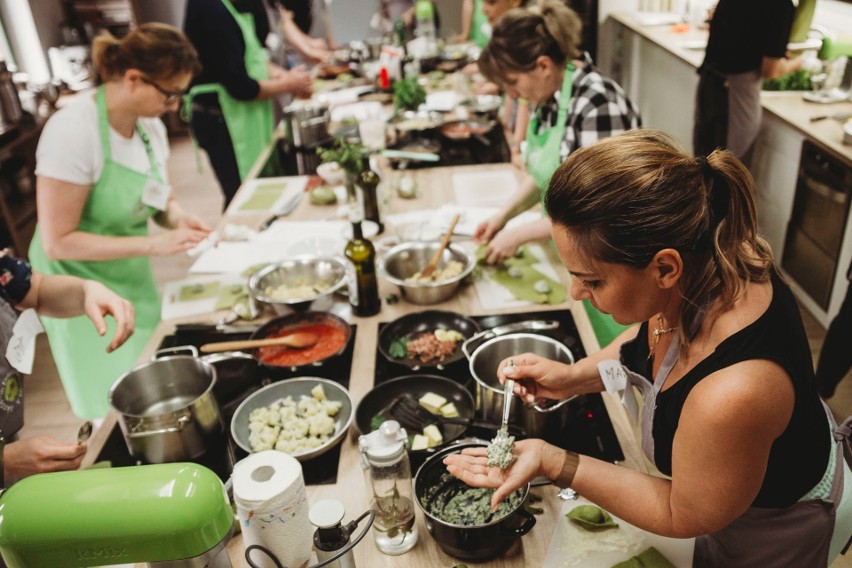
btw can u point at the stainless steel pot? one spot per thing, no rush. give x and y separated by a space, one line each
306 125
10 104
538 420
166 408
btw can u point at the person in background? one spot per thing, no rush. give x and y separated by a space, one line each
60 297
720 355
516 112
475 24
306 30
835 357
231 100
747 44
101 175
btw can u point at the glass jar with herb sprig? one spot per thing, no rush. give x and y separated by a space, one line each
388 475
350 156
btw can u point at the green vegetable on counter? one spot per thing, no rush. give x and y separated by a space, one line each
795 81
408 94
350 156
591 518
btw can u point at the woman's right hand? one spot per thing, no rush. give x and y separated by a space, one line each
176 240
41 454
537 377
299 82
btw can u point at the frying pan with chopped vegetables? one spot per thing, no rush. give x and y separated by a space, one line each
395 337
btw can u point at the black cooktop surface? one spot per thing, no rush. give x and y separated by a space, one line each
582 426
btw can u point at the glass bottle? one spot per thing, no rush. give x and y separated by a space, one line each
388 476
367 183
363 285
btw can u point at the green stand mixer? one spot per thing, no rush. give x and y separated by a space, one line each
174 515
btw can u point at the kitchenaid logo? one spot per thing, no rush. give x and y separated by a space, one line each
103 552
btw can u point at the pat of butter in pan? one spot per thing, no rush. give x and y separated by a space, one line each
432 402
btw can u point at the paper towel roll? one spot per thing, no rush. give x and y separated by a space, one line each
272 505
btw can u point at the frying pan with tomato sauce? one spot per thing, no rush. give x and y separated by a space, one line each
332 333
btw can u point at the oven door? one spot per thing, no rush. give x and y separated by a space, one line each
815 232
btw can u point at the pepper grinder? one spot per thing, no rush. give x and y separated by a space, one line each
330 535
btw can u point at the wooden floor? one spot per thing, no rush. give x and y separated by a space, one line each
47 410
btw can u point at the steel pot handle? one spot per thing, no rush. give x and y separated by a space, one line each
546 409
532 325
529 523
181 422
191 349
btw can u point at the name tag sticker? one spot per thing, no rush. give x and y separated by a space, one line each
20 352
156 194
613 375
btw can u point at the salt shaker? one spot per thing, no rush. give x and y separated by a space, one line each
388 476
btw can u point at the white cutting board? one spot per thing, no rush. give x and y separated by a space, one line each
563 552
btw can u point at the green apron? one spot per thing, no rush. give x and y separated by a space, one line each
113 208
543 148
480 29
250 123
543 157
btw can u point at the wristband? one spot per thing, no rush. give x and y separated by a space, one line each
569 468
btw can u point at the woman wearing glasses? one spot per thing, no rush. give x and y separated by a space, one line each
100 176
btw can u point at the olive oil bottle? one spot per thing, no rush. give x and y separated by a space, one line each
364 286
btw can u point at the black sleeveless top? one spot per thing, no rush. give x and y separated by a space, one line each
799 456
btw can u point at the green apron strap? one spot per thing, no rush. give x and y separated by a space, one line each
543 148
103 122
478 26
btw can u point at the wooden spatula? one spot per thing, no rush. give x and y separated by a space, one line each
297 340
430 267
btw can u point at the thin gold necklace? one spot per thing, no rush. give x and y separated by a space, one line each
658 331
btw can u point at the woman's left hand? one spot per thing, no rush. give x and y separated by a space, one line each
99 301
471 466
188 221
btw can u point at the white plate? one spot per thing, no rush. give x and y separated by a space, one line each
694 44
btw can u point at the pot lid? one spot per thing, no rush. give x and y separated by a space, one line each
385 445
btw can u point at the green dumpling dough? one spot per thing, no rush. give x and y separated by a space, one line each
648 558
591 518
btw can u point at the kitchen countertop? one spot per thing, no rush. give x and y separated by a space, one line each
788 106
533 547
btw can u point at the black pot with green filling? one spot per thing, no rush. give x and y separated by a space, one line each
458 516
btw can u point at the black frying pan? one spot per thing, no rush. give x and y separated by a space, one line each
413 325
385 398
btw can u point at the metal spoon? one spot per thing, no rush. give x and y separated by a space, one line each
84 432
508 394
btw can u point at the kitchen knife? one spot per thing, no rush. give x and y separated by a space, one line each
285 210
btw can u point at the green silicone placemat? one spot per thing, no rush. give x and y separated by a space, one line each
264 197
199 291
230 295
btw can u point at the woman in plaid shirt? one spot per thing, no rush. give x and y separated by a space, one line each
534 54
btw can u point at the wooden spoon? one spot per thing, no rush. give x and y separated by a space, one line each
433 263
297 340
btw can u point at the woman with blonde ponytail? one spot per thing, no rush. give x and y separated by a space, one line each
668 244
101 175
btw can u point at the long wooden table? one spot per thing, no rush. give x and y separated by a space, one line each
435 188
